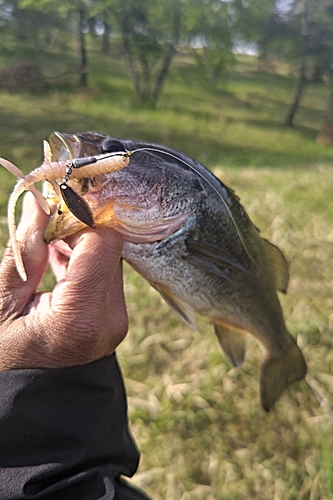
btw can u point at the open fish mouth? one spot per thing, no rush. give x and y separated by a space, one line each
133 203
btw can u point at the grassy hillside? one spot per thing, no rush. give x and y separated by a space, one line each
196 419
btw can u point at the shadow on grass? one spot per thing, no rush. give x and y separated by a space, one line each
183 119
27 134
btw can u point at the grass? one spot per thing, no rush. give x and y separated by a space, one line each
196 419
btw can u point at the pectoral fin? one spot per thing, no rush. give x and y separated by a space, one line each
208 266
205 252
232 342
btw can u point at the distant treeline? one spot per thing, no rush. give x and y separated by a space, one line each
299 32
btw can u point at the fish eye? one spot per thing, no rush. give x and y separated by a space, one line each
112 146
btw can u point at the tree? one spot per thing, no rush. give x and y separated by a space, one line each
207 34
150 33
260 23
322 57
315 18
303 62
82 50
43 20
31 25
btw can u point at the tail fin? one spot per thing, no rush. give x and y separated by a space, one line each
278 372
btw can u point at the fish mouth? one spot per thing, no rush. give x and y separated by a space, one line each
138 218
62 224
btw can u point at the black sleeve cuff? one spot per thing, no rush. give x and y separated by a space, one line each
64 433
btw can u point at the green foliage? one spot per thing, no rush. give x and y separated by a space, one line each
196 419
209 33
153 31
321 37
150 32
282 33
254 19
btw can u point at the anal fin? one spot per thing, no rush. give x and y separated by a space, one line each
232 342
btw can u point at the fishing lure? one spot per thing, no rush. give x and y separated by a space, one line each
77 168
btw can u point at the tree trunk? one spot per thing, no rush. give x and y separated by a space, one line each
135 77
325 136
163 73
82 51
147 81
170 53
302 74
106 35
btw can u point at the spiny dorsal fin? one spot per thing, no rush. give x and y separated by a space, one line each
232 342
279 265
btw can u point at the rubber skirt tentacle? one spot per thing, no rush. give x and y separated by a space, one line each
19 189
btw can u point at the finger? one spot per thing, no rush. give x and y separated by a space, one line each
63 248
14 293
59 255
58 262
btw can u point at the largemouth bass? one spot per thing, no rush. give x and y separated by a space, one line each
188 234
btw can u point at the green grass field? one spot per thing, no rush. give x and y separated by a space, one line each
196 419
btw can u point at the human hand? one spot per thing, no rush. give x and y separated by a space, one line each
84 318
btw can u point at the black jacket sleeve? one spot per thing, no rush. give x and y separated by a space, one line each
64 434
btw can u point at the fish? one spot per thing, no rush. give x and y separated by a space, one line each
189 236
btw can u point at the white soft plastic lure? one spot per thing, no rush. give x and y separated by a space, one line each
58 174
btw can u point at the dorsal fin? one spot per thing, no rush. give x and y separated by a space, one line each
279 265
